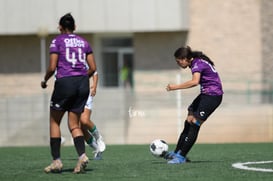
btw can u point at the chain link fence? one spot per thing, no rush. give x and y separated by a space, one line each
127 116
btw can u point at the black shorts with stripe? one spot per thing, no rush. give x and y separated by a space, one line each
70 94
204 105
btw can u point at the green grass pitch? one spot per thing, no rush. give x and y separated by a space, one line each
134 162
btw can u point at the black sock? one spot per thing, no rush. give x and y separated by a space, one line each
79 145
190 139
182 137
55 146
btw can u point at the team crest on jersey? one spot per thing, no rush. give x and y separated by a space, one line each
53 45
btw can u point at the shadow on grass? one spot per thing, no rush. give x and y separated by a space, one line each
205 161
188 162
70 170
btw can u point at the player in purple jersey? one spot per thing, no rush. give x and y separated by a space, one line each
203 73
69 55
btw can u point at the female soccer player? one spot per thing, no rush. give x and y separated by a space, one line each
203 73
69 54
91 134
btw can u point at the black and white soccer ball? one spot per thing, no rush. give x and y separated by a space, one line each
159 147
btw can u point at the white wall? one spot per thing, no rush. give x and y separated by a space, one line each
27 16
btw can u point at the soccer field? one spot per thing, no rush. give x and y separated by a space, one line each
135 162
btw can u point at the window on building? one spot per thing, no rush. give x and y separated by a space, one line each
117 62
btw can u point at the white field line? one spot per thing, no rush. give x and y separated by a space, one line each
245 166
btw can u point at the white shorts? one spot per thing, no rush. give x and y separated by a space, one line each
89 103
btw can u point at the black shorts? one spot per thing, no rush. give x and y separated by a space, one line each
70 94
204 105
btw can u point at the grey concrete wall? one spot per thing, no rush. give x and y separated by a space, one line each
154 51
98 16
19 54
127 116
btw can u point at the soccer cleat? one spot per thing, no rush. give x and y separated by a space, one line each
169 155
97 152
97 155
93 145
55 167
81 165
101 144
177 159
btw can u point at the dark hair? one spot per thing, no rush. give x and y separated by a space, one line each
67 22
186 52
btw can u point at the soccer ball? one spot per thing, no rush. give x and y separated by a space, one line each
159 147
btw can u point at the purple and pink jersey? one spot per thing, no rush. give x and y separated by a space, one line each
72 51
210 81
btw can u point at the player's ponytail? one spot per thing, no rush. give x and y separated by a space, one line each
197 54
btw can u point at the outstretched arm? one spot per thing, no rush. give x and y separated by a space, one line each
188 84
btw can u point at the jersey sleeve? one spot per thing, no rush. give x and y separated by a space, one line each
196 67
53 48
88 49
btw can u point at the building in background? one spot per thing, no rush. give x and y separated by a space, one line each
141 34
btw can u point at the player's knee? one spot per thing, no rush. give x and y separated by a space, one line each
84 121
190 119
195 121
74 129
